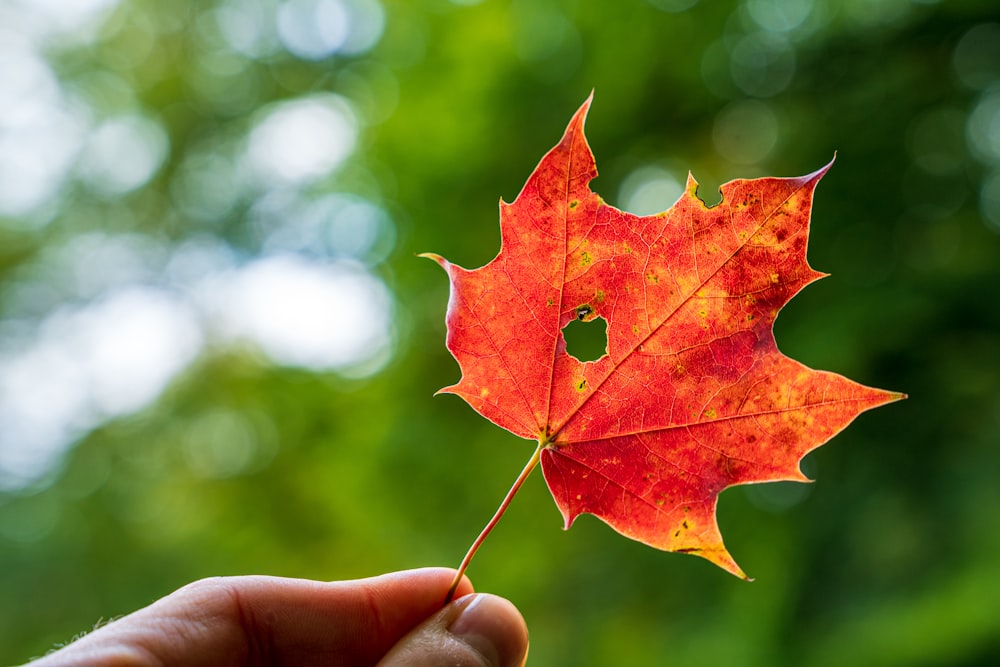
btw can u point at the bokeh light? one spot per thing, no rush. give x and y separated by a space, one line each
41 132
316 29
649 190
745 132
122 154
248 26
762 64
301 313
302 140
983 129
976 57
224 443
780 15
86 364
79 19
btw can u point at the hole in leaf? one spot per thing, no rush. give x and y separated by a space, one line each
709 193
587 341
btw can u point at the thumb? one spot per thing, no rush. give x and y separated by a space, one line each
478 630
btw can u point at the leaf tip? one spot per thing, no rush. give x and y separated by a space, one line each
441 261
450 389
821 172
799 476
883 397
692 184
720 556
568 516
816 275
735 570
580 116
691 188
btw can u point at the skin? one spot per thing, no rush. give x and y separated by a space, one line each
391 620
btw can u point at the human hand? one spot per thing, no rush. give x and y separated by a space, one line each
390 621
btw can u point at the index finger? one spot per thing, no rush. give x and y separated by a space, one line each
269 620
337 623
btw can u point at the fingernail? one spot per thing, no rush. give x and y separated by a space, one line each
483 623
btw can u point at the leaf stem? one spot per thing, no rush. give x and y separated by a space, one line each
528 467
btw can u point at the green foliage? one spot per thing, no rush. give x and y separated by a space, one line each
244 464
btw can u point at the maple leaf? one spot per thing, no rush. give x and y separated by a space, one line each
692 395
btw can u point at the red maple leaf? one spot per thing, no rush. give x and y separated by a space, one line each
692 395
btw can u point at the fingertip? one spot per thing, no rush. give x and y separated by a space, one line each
478 630
492 626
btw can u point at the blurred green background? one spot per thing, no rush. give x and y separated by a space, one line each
218 351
